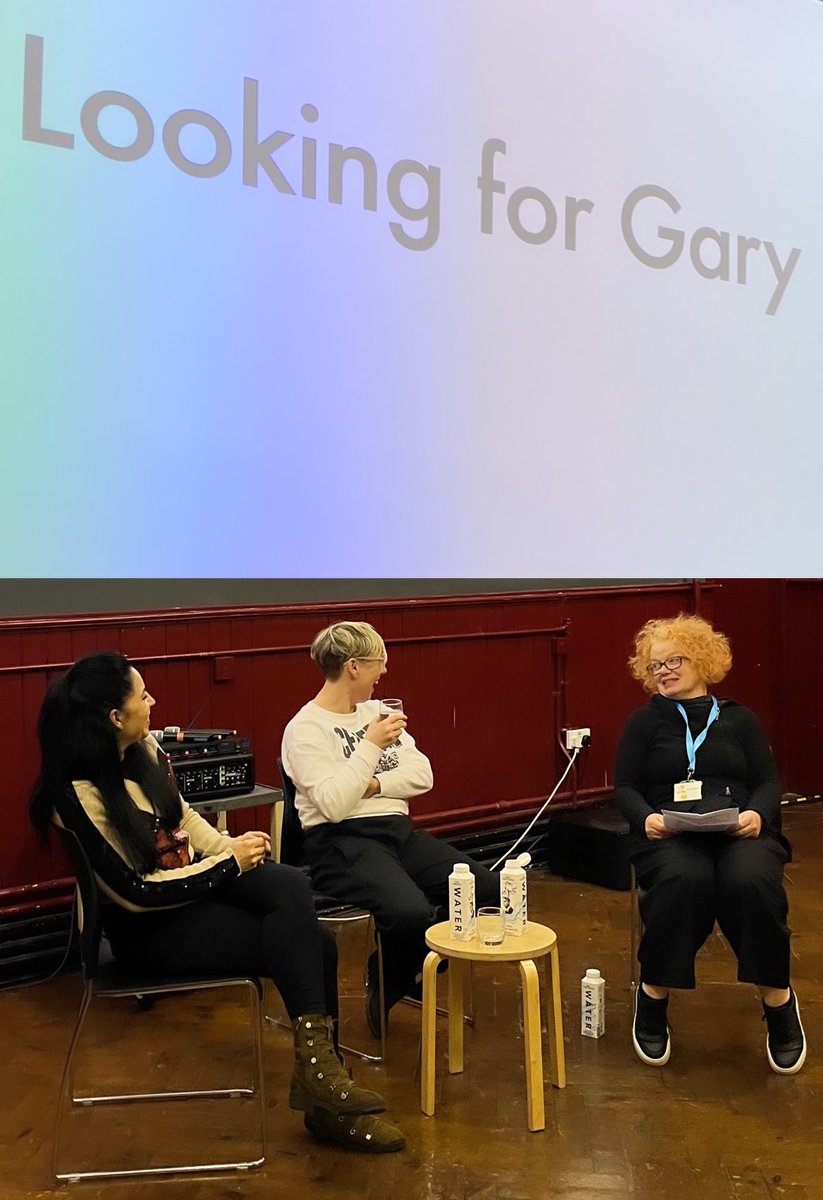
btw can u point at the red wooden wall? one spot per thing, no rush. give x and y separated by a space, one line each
487 680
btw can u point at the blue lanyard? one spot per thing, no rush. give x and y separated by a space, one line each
694 744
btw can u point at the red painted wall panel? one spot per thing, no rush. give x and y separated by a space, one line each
486 709
777 640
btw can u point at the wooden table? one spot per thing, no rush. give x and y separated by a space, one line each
536 941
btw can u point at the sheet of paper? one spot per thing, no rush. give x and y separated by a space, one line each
712 822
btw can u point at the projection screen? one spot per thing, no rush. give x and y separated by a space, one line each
476 287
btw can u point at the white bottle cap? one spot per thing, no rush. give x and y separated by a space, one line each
593 973
523 859
462 868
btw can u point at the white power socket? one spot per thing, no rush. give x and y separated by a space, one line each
574 738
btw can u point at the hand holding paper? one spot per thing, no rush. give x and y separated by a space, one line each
723 821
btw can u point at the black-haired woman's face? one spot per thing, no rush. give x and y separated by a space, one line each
132 719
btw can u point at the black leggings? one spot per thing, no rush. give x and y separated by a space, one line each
261 923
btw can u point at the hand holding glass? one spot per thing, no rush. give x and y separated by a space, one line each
490 928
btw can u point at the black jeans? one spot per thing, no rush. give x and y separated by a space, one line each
401 875
691 880
262 923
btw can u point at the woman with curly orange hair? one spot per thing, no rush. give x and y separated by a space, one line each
687 752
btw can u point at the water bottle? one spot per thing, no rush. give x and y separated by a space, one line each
513 897
461 902
592 1004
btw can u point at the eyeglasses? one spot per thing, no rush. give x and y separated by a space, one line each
379 659
671 664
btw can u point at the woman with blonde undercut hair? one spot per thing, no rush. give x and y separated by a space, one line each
347 641
686 752
357 771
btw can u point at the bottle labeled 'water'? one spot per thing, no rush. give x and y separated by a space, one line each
513 897
592 1004
461 902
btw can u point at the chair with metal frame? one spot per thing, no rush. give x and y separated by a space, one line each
103 976
335 913
636 928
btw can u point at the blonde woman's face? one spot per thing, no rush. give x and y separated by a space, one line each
675 681
366 674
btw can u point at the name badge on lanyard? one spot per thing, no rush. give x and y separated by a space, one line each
690 788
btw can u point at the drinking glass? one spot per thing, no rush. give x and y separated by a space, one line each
389 706
490 928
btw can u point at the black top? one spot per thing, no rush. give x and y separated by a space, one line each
734 763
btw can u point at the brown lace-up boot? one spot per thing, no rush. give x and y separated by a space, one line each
320 1081
365 1134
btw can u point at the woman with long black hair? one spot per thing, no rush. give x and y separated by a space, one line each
185 899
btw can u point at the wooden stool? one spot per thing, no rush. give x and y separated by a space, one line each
536 941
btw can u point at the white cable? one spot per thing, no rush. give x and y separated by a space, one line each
539 811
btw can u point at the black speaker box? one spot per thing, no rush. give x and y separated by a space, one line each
591 845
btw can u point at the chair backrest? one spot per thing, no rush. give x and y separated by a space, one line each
90 919
292 849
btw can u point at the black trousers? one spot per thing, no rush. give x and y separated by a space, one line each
262 923
398 873
689 881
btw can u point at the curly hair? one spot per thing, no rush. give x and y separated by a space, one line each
706 648
335 645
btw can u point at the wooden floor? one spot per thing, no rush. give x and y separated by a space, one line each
714 1124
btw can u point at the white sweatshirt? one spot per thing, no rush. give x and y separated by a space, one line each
331 763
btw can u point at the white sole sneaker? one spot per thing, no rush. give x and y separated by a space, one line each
652 1062
794 1069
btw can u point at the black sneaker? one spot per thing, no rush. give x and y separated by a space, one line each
650 1031
785 1041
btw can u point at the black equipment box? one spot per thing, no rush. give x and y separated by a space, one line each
208 763
204 778
591 845
186 751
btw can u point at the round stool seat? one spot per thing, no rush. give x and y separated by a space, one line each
535 941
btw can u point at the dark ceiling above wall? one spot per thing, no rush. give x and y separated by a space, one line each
47 597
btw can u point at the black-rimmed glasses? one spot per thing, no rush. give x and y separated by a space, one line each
671 664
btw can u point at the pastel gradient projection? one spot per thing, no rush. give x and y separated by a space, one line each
481 288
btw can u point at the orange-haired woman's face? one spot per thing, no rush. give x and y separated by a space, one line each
675 681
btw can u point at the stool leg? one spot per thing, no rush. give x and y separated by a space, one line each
534 1050
557 1050
457 976
429 1033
